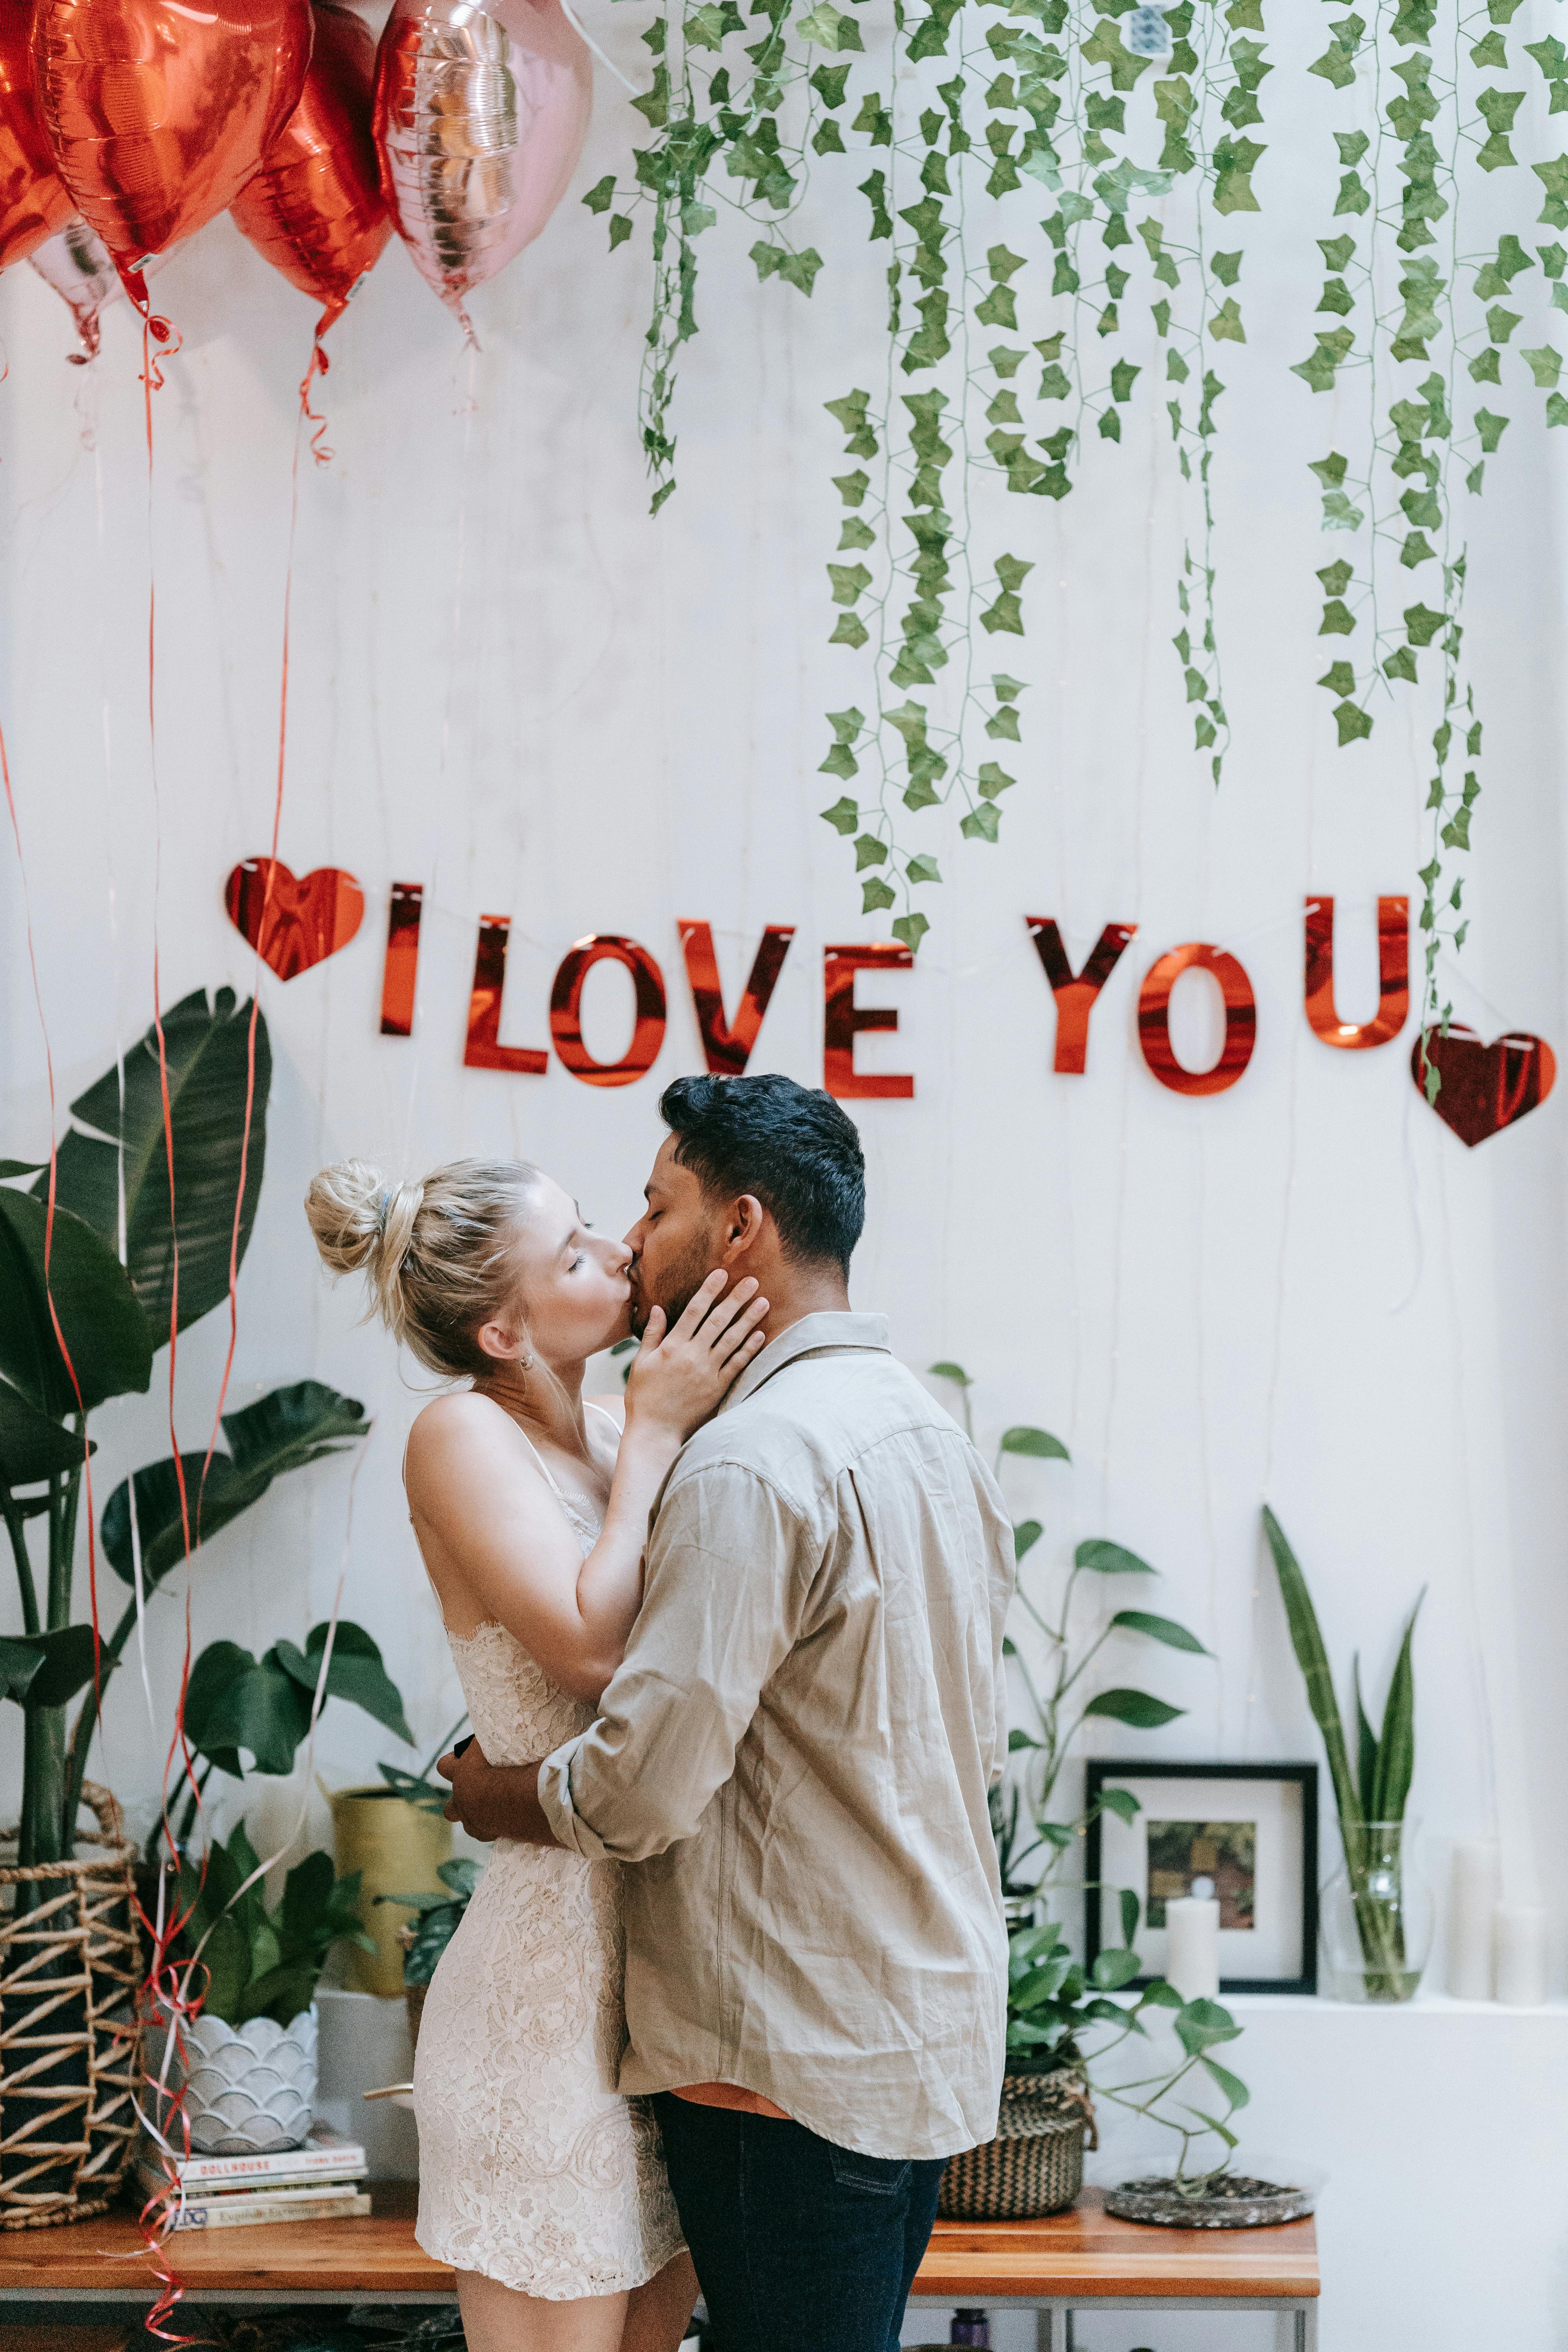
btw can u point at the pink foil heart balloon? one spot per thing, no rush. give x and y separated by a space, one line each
480 120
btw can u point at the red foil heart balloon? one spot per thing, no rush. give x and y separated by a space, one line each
34 204
315 208
159 112
1485 1087
293 922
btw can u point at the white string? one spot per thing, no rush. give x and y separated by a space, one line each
583 33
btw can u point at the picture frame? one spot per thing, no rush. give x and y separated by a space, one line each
1251 1829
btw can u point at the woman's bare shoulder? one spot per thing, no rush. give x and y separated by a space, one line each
461 1424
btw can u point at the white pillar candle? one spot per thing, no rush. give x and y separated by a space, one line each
1472 1900
1192 1948
1521 1944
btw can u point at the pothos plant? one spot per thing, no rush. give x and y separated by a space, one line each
1063 1696
1059 2018
1116 145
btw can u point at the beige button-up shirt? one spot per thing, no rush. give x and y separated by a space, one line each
797 1752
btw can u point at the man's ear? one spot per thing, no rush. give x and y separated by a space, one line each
743 1227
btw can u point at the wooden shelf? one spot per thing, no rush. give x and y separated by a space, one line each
1078 2256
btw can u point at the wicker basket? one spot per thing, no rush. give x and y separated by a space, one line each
69 1972
1035 2164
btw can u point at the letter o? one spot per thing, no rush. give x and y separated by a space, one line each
567 1010
1154 1019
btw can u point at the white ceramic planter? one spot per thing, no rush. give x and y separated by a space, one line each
249 2089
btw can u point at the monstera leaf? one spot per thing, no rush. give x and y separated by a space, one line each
285 1431
105 1330
206 1059
234 1701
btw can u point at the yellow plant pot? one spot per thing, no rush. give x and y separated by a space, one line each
395 1848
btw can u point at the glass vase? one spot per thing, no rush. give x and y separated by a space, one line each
1376 1916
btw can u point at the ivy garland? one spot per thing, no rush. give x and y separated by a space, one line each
1114 140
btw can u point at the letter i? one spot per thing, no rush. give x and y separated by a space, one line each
401 969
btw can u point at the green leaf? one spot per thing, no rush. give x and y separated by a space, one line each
209 1702
1396 1748
1353 724
1037 1442
876 896
1492 430
1101 1556
946 1371
1235 2089
106 1333
19 1662
1307 1641
1160 1629
1545 366
1200 2024
829 28
923 869
911 929
1125 1806
62 1665
1026 1536
1112 1971
355 1673
285 1431
207 1050
1018 1741
1134 1707
843 816
32 1446
602 195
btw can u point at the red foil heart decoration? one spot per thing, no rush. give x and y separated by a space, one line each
1485 1087
292 922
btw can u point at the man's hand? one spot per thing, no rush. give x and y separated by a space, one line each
494 1800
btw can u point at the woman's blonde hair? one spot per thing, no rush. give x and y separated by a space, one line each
440 1257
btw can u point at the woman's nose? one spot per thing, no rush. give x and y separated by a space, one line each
620 1256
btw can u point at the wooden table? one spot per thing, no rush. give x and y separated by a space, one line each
1073 2263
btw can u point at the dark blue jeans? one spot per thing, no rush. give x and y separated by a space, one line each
799 2246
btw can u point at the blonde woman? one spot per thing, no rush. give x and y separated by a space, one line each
541 2185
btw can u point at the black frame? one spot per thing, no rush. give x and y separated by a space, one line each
1101 1768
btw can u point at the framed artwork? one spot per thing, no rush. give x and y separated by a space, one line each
1245 1832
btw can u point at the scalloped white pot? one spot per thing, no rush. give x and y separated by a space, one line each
249 2089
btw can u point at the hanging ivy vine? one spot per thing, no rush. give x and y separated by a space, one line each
1058 184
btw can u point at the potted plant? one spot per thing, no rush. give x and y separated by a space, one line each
1060 1703
1064 2028
1376 1913
134 1241
247 2064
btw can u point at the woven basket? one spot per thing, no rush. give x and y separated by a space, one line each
69 1973
1035 2164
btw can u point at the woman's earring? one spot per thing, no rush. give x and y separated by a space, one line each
525 1363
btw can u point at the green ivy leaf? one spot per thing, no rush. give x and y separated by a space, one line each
869 851
843 816
1225 326
1353 724
602 195
1422 623
1490 428
923 869
1339 678
911 929
829 28
1545 366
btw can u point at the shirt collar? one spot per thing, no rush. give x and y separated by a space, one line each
830 1329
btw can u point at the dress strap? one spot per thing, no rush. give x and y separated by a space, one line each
594 1406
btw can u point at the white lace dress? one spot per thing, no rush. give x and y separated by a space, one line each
532 2169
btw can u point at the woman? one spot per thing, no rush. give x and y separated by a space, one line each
541 2187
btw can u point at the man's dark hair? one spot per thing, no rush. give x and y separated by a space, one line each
790 1146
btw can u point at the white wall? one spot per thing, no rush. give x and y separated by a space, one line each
509 684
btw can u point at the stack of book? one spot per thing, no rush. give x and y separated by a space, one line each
322 2182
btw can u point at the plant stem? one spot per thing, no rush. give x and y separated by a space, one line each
109 1658
16 1526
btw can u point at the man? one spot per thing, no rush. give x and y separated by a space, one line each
795 1756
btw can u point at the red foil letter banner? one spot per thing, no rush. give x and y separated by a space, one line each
1075 994
484 1051
1154 1019
844 1020
725 1049
401 969
1393 975
567 1010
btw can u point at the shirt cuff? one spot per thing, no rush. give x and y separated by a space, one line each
566 1824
